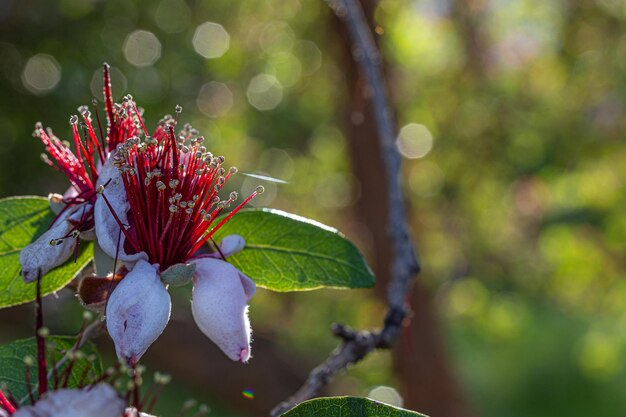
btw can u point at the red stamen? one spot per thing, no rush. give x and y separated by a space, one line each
232 213
172 190
6 404
108 105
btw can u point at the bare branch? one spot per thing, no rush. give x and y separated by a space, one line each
358 344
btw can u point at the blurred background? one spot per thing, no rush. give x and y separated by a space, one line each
511 116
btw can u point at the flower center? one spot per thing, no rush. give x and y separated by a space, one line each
172 185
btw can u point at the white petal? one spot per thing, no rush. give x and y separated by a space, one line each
232 244
219 306
70 192
138 311
98 401
40 257
107 228
78 215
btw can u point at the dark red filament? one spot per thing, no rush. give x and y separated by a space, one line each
172 185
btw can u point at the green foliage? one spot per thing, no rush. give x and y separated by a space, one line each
285 252
22 220
347 407
12 367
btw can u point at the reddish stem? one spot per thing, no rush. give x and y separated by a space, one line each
41 342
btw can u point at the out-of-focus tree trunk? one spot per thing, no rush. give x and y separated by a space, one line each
469 19
419 358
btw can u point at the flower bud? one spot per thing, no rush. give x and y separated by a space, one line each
56 203
219 305
138 311
178 275
232 244
108 230
98 401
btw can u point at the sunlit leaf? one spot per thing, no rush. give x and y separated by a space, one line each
285 252
12 367
22 220
347 407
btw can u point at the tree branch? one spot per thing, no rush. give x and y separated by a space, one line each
356 345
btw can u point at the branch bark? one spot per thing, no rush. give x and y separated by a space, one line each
356 345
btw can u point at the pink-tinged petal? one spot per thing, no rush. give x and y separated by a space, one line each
137 311
107 228
219 306
41 256
98 401
232 244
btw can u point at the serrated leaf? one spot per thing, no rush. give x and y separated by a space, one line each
12 368
22 220
285 252
348 407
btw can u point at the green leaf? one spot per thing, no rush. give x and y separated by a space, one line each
347 407
22 220
285 252
12 367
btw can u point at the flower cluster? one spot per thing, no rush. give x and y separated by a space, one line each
74 209
158 205
152 202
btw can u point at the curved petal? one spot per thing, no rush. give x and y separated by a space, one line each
79 215
219 306
107 228
138 311
98 401
47 252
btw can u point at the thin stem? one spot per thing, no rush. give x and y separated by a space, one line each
41 342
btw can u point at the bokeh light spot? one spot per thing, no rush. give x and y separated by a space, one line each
387 395
334 191
41 74
309 55
426 179
211 40
276 36
142 48
264 92
286 67
172 16
599 355
414 141
214 99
